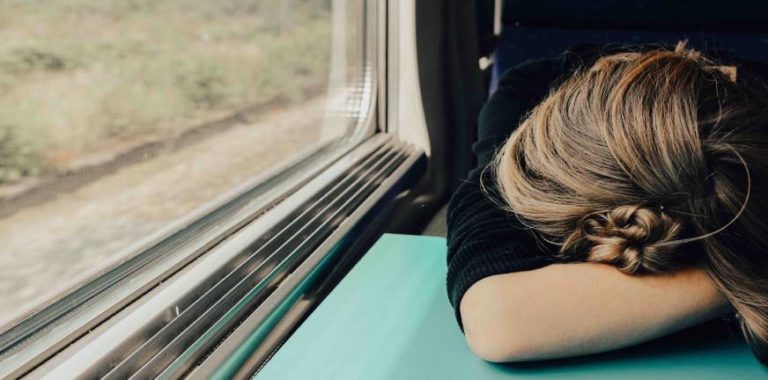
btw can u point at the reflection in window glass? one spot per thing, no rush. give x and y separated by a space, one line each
118 117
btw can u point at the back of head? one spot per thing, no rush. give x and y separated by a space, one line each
650 162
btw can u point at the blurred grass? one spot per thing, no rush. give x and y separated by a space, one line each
78 75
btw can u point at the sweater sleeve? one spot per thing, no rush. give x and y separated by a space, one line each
483 239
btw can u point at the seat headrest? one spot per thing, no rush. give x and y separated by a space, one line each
679 15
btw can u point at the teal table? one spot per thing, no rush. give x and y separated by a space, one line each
390 319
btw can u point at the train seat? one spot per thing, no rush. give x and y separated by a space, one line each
533 29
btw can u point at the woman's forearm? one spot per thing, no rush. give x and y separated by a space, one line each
575 309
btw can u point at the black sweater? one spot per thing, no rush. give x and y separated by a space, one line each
483 239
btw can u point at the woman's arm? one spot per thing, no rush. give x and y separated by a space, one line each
575 309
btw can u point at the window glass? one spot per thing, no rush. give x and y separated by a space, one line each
119 117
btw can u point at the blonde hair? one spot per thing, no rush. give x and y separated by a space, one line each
647 161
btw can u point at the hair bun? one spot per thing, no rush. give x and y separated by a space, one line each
634 238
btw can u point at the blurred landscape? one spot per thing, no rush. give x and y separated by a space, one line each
78 76
83 80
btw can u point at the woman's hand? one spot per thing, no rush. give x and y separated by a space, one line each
575 309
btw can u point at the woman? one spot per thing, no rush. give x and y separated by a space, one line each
618 198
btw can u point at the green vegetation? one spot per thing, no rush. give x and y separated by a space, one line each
79 75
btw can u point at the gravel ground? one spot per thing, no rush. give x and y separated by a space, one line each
46 248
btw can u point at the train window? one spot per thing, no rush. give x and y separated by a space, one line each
141 138
119 118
